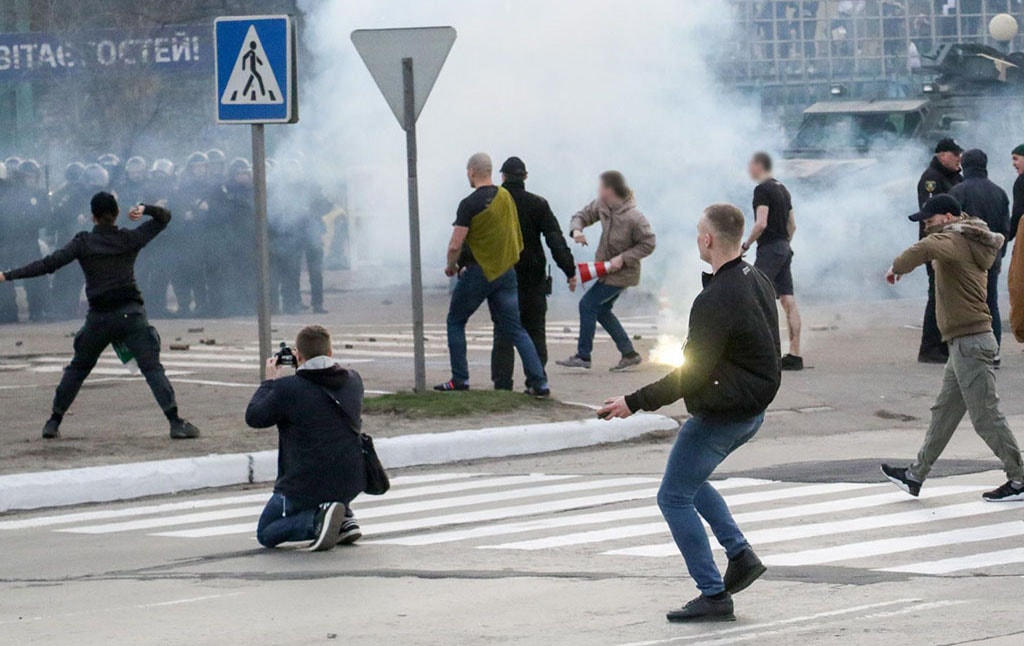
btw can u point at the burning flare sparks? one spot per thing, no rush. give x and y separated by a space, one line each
668 351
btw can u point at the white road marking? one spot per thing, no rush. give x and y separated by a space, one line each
202 503
704 636
551 523
123 372
865 549
494 513
375 511
918 607
957 564
628 531
781 534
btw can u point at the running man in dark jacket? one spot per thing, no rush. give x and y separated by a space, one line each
982 198
730 376
535 220
116 310
320 467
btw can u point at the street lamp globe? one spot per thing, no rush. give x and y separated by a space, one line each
1003 27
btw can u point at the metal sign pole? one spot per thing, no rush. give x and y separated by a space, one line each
259 184
414 226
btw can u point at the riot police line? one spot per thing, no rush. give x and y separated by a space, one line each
199 269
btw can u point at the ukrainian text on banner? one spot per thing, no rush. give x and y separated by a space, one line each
169 49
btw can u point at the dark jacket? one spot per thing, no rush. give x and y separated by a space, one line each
732 351
107 255
935 180
982 198
535 220
320 455
1018 206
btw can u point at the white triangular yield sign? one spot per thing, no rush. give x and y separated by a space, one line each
252 81
383 51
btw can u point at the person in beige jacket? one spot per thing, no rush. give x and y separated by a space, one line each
626 239
961 250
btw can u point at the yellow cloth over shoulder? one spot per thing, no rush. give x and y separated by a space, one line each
495 237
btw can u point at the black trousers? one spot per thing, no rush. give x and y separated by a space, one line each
315 267
130 326
285 273
533 310
931 338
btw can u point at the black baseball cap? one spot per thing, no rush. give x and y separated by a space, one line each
948 145
938 205
513 166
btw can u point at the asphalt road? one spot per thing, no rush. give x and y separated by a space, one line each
565 548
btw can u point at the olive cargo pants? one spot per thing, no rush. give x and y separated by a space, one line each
969 386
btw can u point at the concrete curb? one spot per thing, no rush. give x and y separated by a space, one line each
134 480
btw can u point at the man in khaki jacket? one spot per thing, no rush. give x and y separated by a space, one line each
961 249
626 239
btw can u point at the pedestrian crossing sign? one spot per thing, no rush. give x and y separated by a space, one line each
255 69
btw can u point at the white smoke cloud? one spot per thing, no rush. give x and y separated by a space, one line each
575 88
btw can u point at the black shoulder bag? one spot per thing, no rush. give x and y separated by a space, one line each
377 481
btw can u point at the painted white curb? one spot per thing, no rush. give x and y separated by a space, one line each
126 481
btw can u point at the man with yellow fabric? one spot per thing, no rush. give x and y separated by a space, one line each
484 249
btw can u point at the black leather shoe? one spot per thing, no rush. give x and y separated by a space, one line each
182 430
742 571
51 431
704 609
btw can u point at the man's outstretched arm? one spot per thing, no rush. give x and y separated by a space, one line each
63 256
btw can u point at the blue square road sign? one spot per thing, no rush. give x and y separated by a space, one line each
255 68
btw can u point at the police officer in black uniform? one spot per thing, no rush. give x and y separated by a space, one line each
535 220
116 310
68 219
190 203
942 174
8 299
28 214
162 256
231 221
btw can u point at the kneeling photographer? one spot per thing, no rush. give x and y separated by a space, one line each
320 465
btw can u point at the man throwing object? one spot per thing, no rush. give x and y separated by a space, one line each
730 376
116 310
961 250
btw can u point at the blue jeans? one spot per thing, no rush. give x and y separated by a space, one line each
686 495
502 296
285 519
596 307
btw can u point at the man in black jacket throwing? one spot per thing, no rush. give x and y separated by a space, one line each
730 375
116 309
535 219
320 464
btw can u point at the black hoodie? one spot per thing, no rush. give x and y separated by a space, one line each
935 180
980 197
320 455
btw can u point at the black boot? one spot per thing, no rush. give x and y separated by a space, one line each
51 431
183 430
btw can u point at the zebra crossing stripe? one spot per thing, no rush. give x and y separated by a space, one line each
782 534
851 551
550 523
203 503
958 564
413 492
629 531
483 515
375 511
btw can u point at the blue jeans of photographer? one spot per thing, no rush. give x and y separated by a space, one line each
502 296
686 496
596 307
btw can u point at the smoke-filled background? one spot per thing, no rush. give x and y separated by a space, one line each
573 88
575 91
